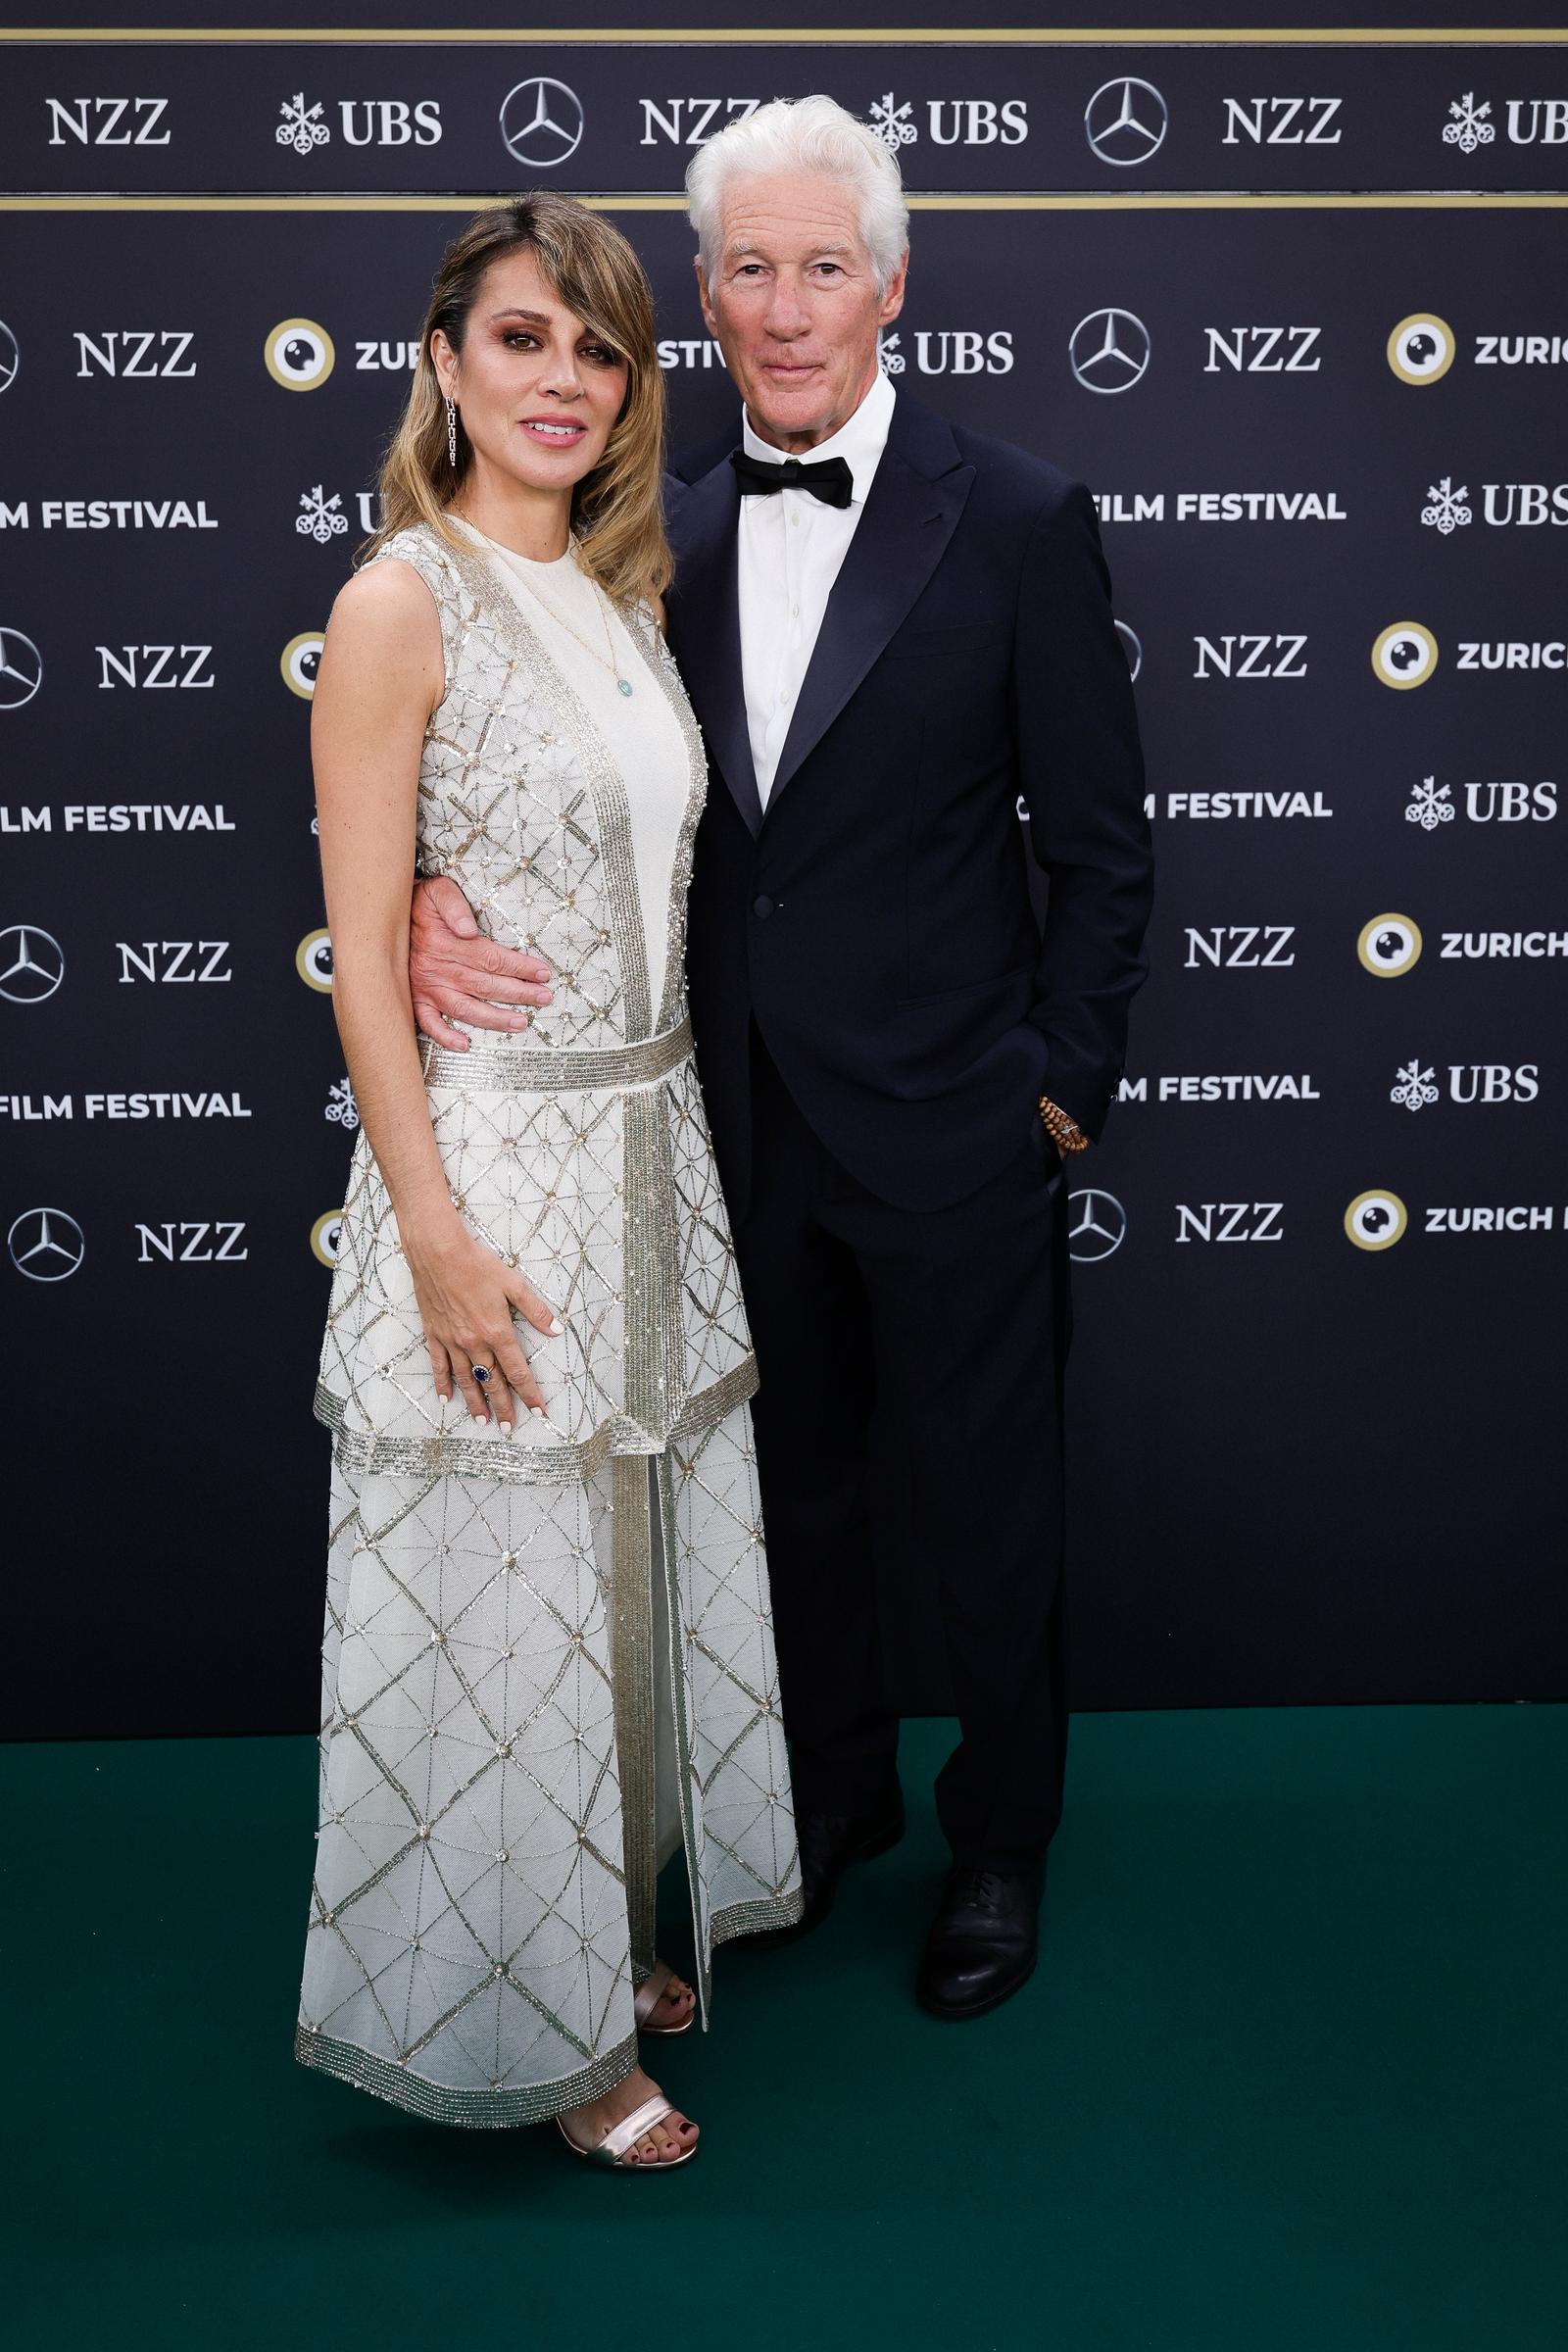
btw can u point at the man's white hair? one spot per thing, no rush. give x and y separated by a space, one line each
803 134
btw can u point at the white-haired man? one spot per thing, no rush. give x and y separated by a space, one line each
891 628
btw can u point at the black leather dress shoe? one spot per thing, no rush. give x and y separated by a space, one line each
983 1943
829 1844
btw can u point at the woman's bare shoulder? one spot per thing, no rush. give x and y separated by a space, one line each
384 593
383 640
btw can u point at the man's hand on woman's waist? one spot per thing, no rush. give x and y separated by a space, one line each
457 973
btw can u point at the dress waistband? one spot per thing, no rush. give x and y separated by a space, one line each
535 1070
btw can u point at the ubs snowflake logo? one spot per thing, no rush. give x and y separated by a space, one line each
1415 1089
891 122
341 1106
891 357
321 519
1469 128
1429 805
301 127
1448 509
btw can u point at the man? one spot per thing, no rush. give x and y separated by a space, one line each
892 629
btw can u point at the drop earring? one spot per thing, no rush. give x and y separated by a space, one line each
452 434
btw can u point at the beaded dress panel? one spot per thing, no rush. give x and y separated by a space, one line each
507 1619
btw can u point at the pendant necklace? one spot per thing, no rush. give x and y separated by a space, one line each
612 664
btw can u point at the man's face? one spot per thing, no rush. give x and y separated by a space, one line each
793 306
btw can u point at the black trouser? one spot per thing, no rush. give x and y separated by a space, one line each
950 1327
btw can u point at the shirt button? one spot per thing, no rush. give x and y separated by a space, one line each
762 905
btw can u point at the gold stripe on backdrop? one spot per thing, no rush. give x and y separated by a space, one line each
677 204
865 36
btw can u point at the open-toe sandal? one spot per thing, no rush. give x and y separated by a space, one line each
620 2137
647 1997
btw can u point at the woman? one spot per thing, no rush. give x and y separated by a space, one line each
547 1656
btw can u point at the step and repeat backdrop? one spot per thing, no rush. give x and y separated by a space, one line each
1294 310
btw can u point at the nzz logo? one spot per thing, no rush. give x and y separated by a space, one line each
1248 657
1229 1221
148 667
172 960
107 122
1240 947
192 1242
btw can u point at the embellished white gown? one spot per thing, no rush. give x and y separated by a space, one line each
547 1661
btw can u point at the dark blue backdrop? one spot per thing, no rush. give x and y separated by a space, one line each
1319 1288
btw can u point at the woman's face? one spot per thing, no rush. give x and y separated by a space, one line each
538 393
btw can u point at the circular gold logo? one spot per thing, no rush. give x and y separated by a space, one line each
313 960
326 1236
1389 946
300 661
1421 348
1376 1220
299 355
1405 655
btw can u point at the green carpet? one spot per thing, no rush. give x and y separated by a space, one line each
1291 2075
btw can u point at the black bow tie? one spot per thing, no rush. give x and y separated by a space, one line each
830 479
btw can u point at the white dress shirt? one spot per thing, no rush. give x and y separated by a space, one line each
791 546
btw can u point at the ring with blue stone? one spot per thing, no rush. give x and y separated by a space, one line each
481 1373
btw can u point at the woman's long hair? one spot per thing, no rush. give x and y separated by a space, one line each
615 511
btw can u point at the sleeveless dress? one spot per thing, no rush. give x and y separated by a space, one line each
538 1650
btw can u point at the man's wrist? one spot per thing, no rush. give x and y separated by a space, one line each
1062 1129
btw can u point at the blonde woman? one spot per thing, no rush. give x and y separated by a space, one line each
548 1660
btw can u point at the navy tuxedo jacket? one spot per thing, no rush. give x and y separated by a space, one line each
876 922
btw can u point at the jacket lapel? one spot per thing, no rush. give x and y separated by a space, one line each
915 504
704 618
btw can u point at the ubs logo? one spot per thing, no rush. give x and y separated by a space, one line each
9 358
1404 656
1421 348
1446 507
367 123
1389 946
21 669
299 355
1125 122
1376 1220
1096 1225
951 121
301 128
47 1245
1469 128
1109 351
300 661
541 123
32 964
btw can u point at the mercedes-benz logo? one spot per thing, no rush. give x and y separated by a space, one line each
32 964
21 669
1125 121
1096 1225
47 1245
541 123
9 358
1132 648
1109 351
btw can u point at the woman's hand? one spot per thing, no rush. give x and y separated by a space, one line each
466 1298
